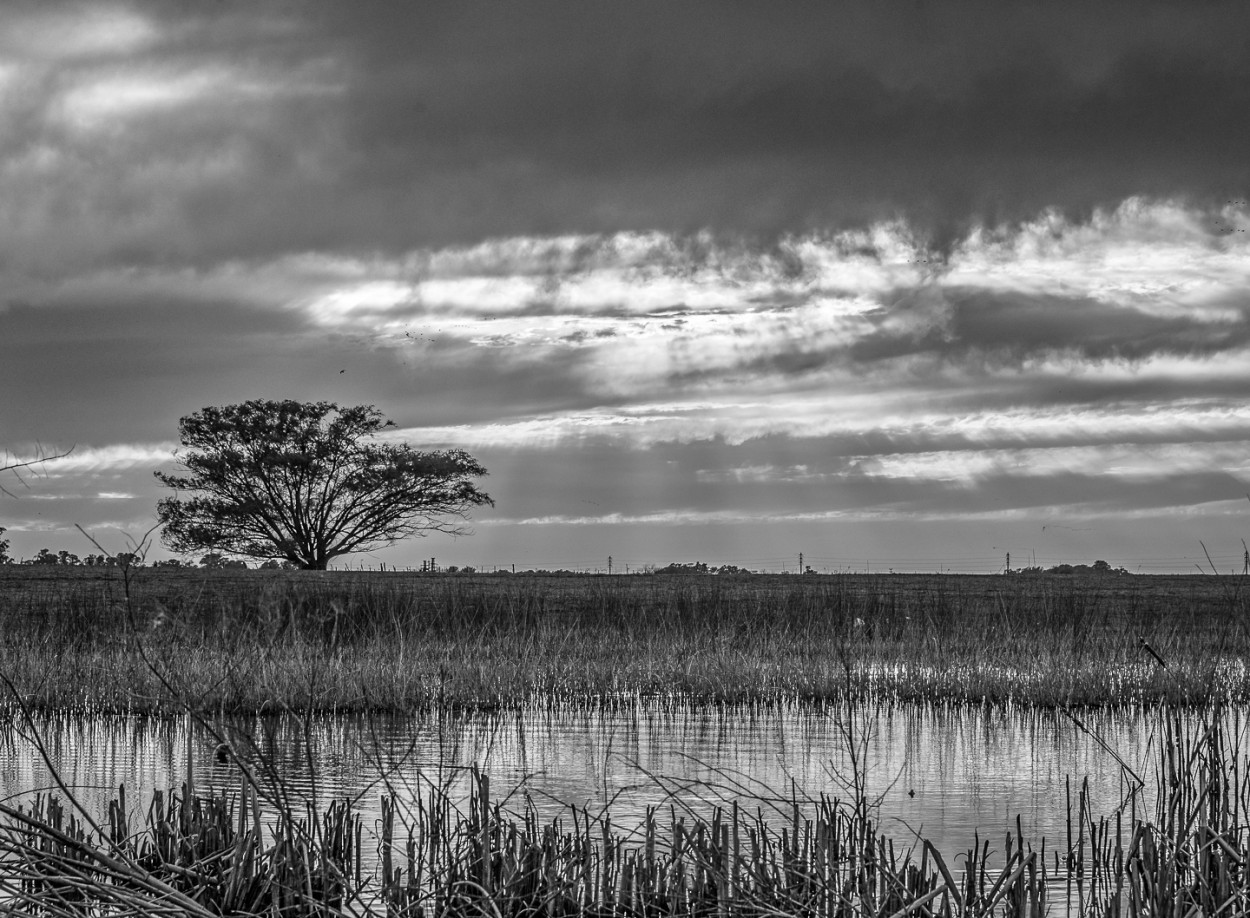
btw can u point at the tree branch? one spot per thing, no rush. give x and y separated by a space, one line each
16 466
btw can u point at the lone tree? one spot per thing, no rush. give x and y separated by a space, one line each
307 482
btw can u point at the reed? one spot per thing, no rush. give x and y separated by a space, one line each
193 856
1177 844
1188 854
212 856
253 640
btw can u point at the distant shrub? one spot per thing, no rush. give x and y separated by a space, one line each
273 564
215 561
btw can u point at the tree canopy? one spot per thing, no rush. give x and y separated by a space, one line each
307 482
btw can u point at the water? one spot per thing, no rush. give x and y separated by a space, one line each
945 773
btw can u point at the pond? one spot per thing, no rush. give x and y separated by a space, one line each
945 773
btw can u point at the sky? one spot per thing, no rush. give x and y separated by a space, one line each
898 286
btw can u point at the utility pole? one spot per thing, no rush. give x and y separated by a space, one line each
800 562
1009 562
609 565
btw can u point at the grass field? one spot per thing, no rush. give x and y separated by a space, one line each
83 639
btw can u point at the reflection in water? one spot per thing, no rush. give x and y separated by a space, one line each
943 772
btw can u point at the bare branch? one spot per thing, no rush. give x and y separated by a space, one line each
16 466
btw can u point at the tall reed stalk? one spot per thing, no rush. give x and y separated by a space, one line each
212 856
1185 854
1189 855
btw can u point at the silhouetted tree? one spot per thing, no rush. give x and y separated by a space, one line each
308 482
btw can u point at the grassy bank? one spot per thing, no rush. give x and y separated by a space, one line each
253 640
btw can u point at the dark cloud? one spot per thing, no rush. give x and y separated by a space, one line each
105 371
1006 328
1090 329
595 148
947 335
1090 488
90 373
1059 392
481 385
398 125
758 483
826 456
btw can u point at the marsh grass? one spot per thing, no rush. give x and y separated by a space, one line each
1180 849
212 855
352 641
192 856
1185 856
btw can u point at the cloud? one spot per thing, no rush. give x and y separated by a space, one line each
111 458
883 423
642 339
1126 461
1141 283
1031 513
150 134
76 31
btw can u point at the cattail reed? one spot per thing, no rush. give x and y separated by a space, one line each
1183 853
1182 849
192 856
212 855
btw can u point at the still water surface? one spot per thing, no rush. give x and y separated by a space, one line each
943 772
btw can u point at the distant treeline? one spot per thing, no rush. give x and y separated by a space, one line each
123 559
1098 567
215 561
